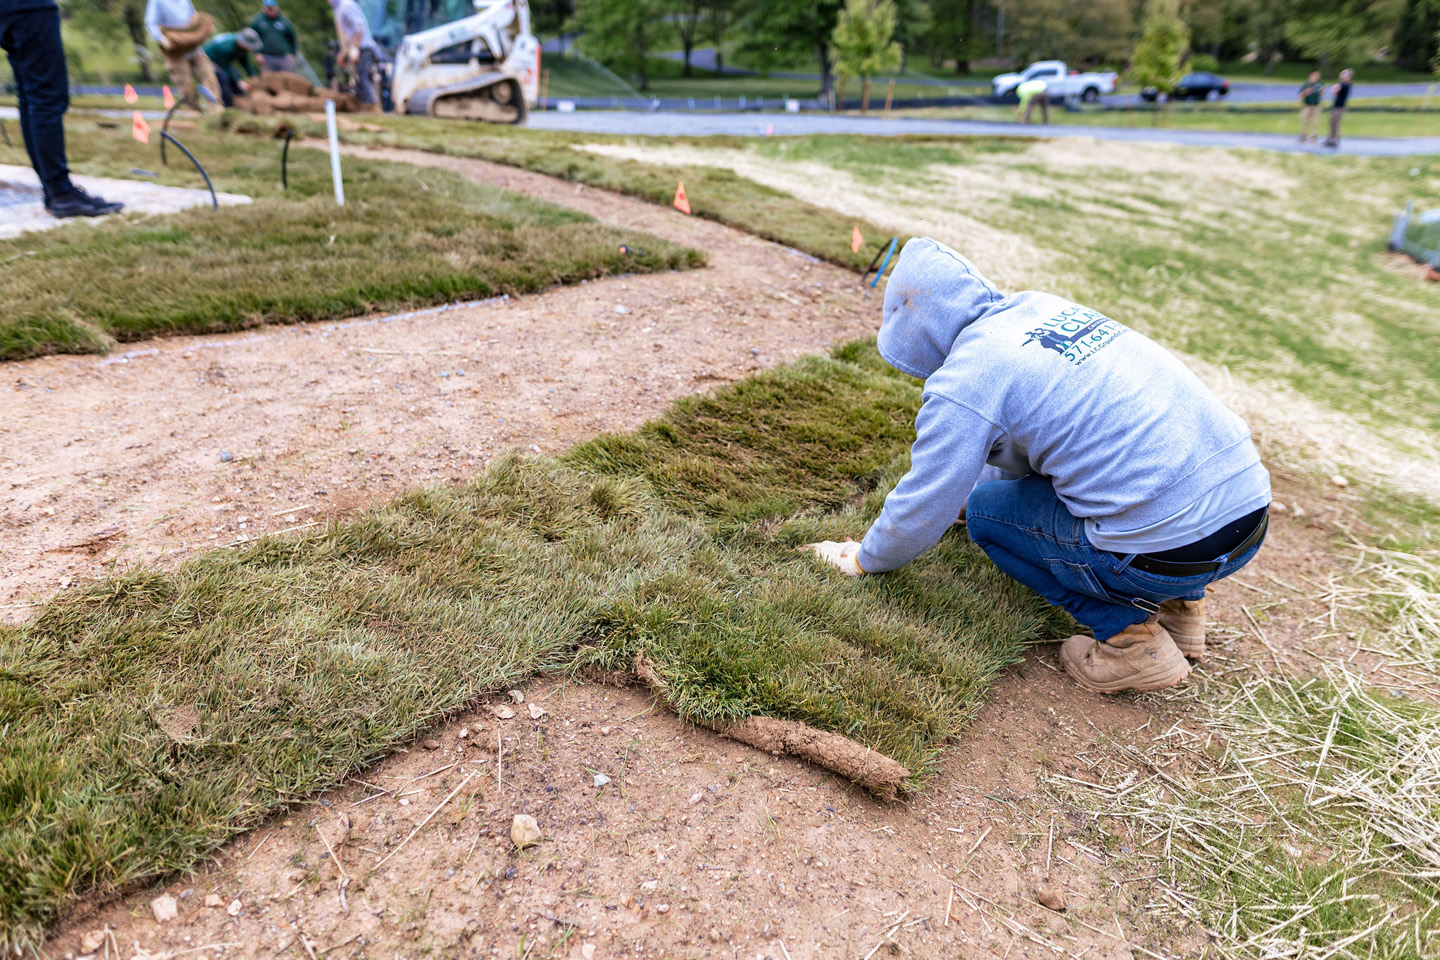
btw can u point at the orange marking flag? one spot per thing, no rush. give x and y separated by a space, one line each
856 241
140 130
130 95
169 97
681 202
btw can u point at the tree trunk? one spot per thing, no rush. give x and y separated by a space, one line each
864 95
689 45
838 103
640 66
719 59
827 79
135 26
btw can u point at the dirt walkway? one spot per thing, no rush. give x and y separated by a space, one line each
180 444
696 846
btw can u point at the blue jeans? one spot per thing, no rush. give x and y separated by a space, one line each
1027 532
31 38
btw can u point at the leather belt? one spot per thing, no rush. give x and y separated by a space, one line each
1170 568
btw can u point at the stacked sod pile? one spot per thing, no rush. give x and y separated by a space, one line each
295 662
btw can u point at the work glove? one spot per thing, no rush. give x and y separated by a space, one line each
839 555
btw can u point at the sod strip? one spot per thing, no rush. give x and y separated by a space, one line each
713 192
406 238
149 717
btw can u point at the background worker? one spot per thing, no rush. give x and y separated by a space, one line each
30 37
181 34
230 54
1309 97
278 43
358 49
1089 464
1341 95
1032 92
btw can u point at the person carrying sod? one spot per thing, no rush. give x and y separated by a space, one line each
1087 461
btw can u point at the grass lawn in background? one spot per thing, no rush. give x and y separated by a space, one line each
1408 121
151 716
402 239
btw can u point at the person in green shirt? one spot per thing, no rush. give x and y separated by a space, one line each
230 53
1309 97
278 43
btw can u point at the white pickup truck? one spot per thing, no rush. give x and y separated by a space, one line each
1060 83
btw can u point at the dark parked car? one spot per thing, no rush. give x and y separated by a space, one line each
1194 86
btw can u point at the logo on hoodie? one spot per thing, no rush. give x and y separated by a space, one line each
1076 334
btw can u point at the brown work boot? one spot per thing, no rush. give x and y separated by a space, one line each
1141 658
1184 620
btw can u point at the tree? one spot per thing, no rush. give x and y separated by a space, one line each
952 32
551 16
864 44
1414 45
718 16
1164 37
1340 31
776 32
688 16
1085 32
621 34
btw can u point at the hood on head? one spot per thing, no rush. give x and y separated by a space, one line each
932 295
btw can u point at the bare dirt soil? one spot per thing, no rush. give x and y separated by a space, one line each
180 444
658 838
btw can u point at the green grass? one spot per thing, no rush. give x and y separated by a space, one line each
403 239
1272 265
298 662
715 194
1296 72
1224 118
1308 830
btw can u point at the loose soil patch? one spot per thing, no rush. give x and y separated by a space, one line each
191 442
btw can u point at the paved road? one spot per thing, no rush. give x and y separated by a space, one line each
1250 92
750 124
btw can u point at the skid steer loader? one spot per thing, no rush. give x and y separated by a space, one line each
463 59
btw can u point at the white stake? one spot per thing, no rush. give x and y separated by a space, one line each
334 153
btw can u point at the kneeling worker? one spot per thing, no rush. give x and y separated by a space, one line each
1087 461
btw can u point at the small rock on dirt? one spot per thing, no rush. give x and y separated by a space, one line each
226 456
621 309
1339 481
214 900
588 951
517 696
165 908
524 831
1051 898
601 779
504 713
336 831
92 941
235 907
536 711
431 744
605 731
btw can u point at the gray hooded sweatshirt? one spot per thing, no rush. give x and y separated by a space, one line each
1132 441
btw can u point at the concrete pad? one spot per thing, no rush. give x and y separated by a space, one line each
23 209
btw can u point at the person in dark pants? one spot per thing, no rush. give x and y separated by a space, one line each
30 36
1337 107
230 53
